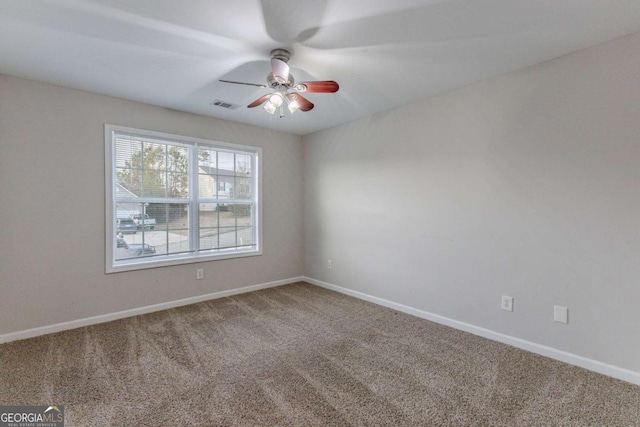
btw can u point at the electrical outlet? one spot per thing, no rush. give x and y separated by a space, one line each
200 274
507 303
560 314
329 264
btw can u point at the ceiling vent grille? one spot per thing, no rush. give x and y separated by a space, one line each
225 104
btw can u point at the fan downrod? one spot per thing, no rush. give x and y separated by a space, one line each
281 54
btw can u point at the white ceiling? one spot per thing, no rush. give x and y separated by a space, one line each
383 53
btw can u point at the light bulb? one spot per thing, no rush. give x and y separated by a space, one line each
269 107
292 100
294 106
276 99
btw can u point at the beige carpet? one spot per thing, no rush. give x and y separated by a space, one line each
301 355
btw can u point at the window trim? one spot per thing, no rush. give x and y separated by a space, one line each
111 266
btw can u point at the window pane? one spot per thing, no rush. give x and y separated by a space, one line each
162 230
153 184
230 180
243 188
225 186
138 245
243 165
170 231
244 222
177 159
178 185
207 183
178 228
227 237
226 163
124 223
149 169
225 226
245 236
154 156
128 183
208 215
128 153
209 226
130 229
208 157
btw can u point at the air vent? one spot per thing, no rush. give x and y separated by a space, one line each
225 104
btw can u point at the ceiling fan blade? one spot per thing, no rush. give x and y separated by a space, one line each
280 70
326 86
305 104
259 101
242 83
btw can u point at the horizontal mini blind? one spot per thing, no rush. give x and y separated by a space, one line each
177 198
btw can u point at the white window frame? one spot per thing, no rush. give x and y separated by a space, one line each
113 266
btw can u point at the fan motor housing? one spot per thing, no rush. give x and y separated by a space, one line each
272 82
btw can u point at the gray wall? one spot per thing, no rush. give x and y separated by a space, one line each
52 207
526 184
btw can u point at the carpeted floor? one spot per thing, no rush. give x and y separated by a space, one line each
305 356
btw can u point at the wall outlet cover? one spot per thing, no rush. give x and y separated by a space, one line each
507 303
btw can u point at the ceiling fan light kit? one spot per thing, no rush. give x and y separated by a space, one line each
293 103
285 88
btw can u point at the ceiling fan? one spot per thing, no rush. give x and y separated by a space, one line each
285 89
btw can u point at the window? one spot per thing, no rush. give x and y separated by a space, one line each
174 199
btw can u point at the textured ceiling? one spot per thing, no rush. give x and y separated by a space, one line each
383 53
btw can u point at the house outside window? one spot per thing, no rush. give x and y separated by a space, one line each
173 199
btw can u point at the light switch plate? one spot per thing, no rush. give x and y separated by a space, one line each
560 314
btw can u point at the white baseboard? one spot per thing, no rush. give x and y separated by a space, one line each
563 356
73 324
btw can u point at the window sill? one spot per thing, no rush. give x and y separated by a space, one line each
165 261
